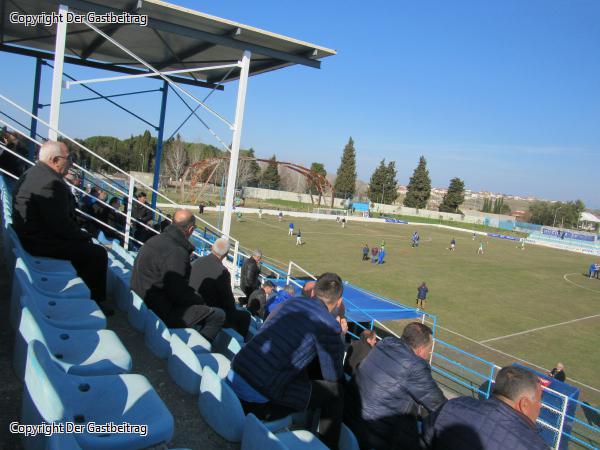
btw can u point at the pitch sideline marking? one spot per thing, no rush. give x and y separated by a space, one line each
538 329
514 357
565 277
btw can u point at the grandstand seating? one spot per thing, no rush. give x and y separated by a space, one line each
228 342
136 312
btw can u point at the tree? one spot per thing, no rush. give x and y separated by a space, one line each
383 186
176 158
317 168
455 196
558 214
419 187
345 181
253 169
270 178
487 205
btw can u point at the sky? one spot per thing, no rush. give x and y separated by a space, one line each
503 94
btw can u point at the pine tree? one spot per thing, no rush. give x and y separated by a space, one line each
391 184
318 168
419 187
454 197
270 178
253 168
383 186
345 182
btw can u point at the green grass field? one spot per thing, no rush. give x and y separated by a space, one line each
475 298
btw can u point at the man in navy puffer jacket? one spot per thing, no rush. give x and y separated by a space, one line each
393 381
505 421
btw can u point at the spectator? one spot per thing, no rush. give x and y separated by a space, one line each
257 302
388 387
270 374
44 219
365 252
374 253
201 208
211 279
250 273
100 211
422 295
358 350
504 421
74 183
115 219
286 293
308 290
142 213
161 274
9 161
558 372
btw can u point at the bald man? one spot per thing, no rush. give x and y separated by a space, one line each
44 218
161 274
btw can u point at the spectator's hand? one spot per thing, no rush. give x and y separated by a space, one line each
343 323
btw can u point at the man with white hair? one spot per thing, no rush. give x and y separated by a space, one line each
211 279
44 218
249 275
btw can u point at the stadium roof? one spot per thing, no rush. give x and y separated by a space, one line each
175 38
588 217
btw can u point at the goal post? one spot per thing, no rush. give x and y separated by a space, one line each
335 212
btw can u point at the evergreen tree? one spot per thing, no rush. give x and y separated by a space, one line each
345 181
318 168
487 205
454 197
270 178
419 187
391 184
253 169
377 183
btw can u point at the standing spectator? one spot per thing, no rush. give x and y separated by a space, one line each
212 280
250 273
161 274
390 384
359 349
44 218
299 238
291 229
504 421
281 296
141 212
558 372
422 295
365 252
374 253
201 208
270 373
257 302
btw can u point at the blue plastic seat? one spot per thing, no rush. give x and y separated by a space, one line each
125 257
71 313
78 352
228 342
136 312
187 362
222 410
51 395
117 281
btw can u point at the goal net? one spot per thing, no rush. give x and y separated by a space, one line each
336 212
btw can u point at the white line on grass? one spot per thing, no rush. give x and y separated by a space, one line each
538 329
566 278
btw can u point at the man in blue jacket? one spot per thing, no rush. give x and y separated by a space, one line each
505 421
270 374
383 398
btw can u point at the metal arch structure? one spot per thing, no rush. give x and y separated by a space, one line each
178 45
196 171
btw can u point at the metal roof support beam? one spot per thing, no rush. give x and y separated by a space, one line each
103 97
235 142
59 59
35 105
159 142
192 51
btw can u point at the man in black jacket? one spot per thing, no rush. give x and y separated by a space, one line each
505 421
249 281
141 212
161 274
211 279
389 386
257 302
358 350
44 218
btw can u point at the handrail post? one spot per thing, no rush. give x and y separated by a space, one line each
236 250
289 272
128 219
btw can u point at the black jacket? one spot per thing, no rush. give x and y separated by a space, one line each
44 211
355 355
257 303
141 213
381 404
249 280
211 279
161 274
465 422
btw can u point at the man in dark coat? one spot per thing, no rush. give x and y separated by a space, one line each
249 275
211 279
558 372
505 421
388 387
143 214
359 349
270 374
44 218
161 274
257 302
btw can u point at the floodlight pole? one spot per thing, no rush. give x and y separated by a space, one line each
35 106
235 143
57 73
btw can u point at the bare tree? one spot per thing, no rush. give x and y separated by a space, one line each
177 158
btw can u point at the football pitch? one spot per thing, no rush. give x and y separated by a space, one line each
534 305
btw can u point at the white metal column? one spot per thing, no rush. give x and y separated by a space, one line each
57 72
129 211
235 143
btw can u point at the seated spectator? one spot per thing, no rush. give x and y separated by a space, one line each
558 372
388 387
115 220
142 213
308 289
257 302
504 421
44 218
211 279
249 276
358 350
161 274
100 211
270 374
281 296
9 161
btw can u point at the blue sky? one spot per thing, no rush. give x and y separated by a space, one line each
504 94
